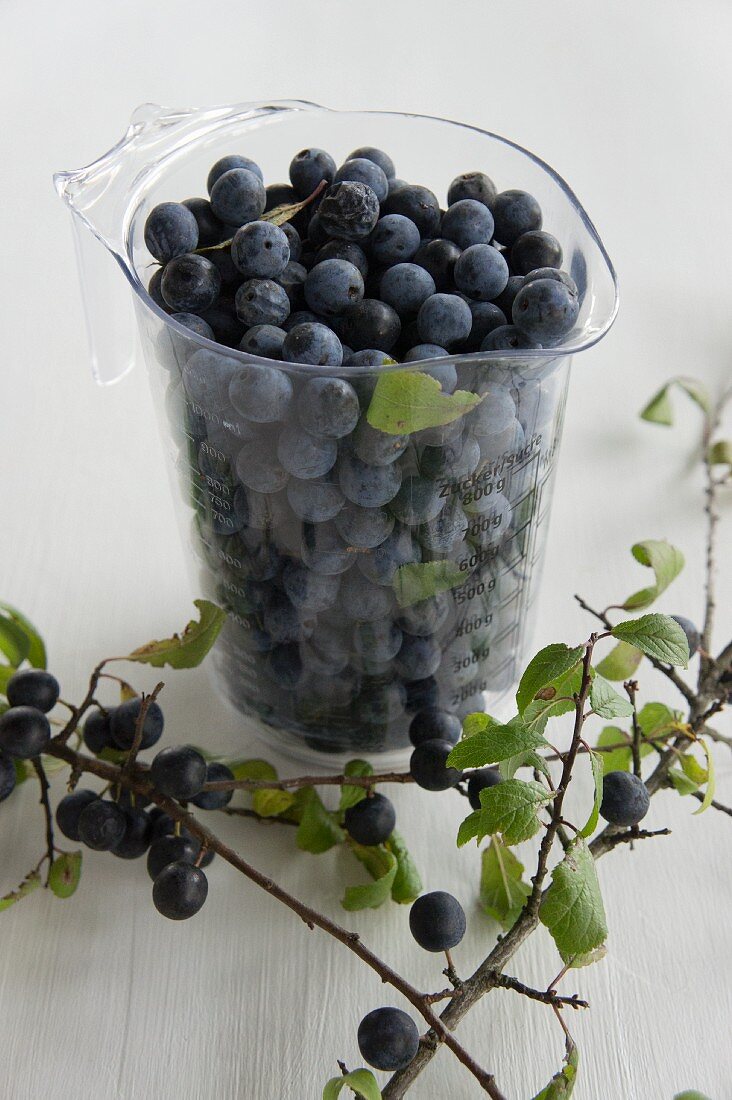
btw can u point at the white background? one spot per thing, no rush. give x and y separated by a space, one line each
100 998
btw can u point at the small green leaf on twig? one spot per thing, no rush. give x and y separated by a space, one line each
657 636
494 743
360 1081
621 662
407 401
665 561
562 1084
407 885
503 891
271 801
382 866
351 794
188 649
606 702
509 808
550 664
30 883
36 649
13 642
598 769
720 453
63 878
710 780
572 908
659 409
318 829
690 1095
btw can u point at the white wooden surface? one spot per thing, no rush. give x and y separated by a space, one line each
100 998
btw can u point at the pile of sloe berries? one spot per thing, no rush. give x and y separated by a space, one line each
304 512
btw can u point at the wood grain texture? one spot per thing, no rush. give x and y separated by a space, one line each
100 998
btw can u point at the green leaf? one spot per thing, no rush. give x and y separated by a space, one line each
656 718
474 723
271 801
63 878
711 780
621 662
30 883
598 768
408 401
188 649
350 795
606 702
657 636
14 642
659 409
471 828
682 783
495 742
560 701
691 767
36 655
257 770
588 958
572 908
318 829
720 453
417 581
562 1084
503 891
511 808
550 664
5 673
382 865
509 767
407 885
617 760
690 1095
665 561
361 1081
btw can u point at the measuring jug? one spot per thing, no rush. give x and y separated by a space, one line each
340 628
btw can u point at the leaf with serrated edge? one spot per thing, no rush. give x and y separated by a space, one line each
318 829
417 581
470 828
598 770
372 894
572 908
350 793
259 770
407 885
551 663
681 783
539 711
509 767
474 723
271 801
188 649
503 891
63 878
510 808
30 883
621 662
606 702
657 636
360 1081
496 742
562 1083
711 780
407 401
36 655
665 561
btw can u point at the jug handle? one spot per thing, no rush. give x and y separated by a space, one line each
99 197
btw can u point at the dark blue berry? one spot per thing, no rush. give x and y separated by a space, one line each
166 848
292 281
433 724
535 249
625 799
418 658
378 156
550 273
515 213
210 229
370 324
438 257
417 203
445 320
481 272
428 766
467 222
24 731
545 309
170 230
343 250
508 338
260 250
361 170
315 500
693 636
137 834
260 393
472 185
371 821
394 240
365 485
312 343
487 316
214 800
328 406
8 776
194 323
388 1039
180 890
102 825
261 302
226 164
309 168
505 299
333 285
123 722
178 771
238 196
364 528
190 283
349 211
405 286
479 781
98 731
69 810
263 340
33 687
437 921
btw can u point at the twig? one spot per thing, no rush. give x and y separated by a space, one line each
714 804
45 787
78 712
147 702
547 997
631 688
308 781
